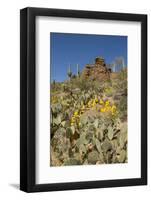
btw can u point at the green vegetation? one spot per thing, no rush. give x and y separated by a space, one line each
89 121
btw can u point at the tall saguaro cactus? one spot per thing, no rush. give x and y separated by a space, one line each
119 63
78 71
69 72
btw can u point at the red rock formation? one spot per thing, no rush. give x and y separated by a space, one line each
97 71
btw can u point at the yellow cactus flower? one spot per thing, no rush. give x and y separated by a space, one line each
76 113
101 102
108 108
114 110
102 110
93 103
72 121
96 100
107 103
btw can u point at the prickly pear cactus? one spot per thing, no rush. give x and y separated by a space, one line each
88 122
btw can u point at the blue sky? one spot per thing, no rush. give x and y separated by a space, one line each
67 48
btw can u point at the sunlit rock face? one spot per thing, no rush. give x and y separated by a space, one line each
97 71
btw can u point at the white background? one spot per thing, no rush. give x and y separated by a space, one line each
9 99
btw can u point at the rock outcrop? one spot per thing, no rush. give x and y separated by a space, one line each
97 71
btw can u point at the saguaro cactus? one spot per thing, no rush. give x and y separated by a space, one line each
119 63
69 72
78 71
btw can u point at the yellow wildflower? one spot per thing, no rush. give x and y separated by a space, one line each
107 103
101 102
72 120
93 103
102 110
113 110
76 113
107 108
96 100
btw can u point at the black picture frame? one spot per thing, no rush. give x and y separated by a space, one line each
28 99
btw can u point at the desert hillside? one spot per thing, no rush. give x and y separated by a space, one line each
89 117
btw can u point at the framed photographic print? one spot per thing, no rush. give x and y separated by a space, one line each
83 99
